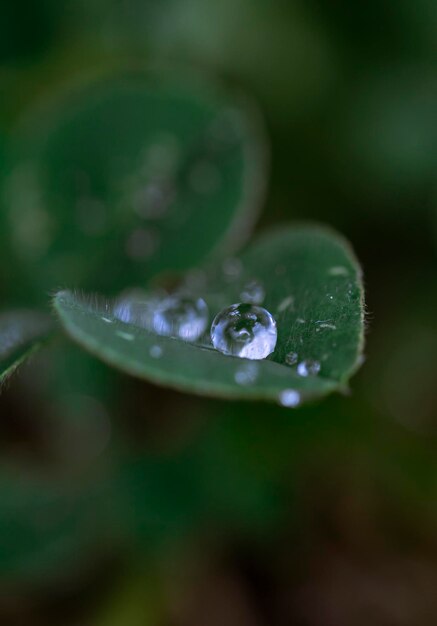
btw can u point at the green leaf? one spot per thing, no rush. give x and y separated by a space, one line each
314 290
21 334
108 183
49 522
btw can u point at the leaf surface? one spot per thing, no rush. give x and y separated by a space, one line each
313 288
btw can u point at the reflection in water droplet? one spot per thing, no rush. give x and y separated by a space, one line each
289 398
308 367
291 358
155 352
244 330
246 374
253 293
180 315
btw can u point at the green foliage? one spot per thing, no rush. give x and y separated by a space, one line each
46 521
119 180
21 334
314 290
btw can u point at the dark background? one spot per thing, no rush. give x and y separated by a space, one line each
208 512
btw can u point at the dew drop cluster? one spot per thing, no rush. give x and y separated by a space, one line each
245 329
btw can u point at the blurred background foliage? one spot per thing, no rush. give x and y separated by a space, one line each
122 503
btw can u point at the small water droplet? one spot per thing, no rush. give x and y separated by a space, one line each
308 367
287 303
180 315
289 398
155 352
246 374
291 358
338 270
244 330
253 293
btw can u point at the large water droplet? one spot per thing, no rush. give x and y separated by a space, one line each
244 330
179 315
308 367
253 293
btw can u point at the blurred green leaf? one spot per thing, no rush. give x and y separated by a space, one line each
21 334
109 184
47 523
313 289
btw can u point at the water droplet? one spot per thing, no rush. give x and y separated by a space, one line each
291 358
246 374
155 352
253 293
141 244
244 330
287 303
308 367
133 307
338 270
204 177
180 315
289 398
